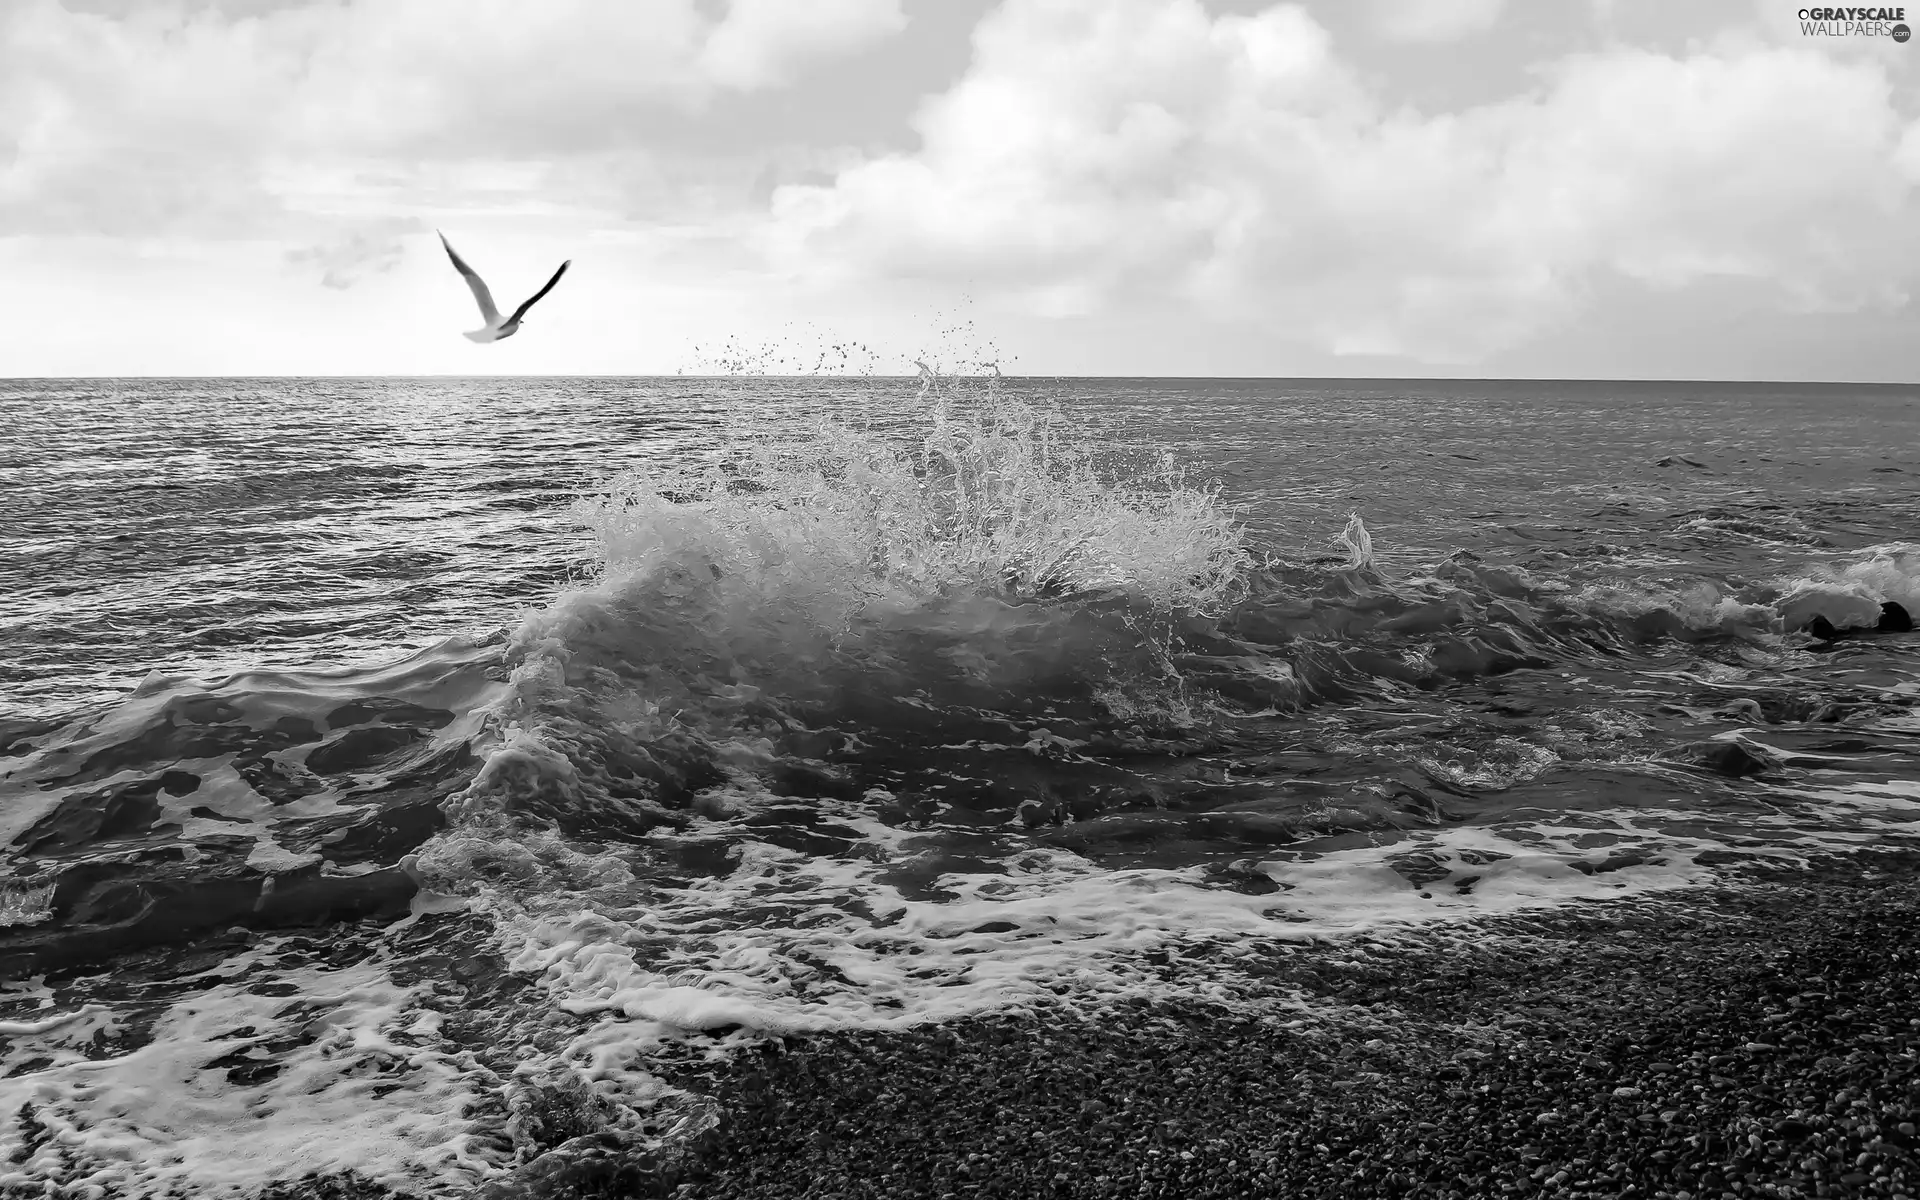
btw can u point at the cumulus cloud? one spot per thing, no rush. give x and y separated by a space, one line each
1106 149
169 116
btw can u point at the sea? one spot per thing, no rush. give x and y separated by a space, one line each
382 758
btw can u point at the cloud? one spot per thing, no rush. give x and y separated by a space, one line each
351 254
762 43
176 116
1434 20
1102 151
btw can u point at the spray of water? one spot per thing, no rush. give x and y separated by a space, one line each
799 351
986 493
1358 543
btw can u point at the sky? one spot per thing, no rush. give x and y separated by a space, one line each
1477 188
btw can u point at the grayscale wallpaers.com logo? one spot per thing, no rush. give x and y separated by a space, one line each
1849 22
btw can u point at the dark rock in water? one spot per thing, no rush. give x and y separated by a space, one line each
1671 459
1894 618
1820 628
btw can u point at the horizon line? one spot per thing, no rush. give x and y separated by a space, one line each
1640 379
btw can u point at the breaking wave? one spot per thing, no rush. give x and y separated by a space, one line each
864 721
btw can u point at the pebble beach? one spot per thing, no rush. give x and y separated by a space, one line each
1757 1038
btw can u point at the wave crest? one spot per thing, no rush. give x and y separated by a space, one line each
988 496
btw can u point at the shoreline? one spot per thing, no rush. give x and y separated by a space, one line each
1758 1036
1754 1037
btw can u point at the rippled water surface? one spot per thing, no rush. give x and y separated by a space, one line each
609 714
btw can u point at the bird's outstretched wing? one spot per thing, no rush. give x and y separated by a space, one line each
522 310
479 285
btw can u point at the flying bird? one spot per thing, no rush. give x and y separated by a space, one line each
495 327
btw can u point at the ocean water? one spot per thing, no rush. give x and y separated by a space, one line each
381 759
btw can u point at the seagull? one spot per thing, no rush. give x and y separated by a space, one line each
495 328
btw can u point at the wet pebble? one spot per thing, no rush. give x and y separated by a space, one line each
1637 1068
